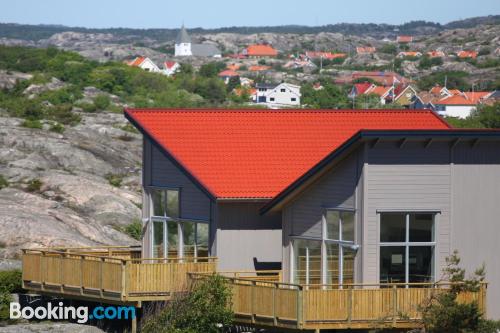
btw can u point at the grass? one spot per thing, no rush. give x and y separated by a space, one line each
114 179
32 124
34 185
3 182
134 230
57 127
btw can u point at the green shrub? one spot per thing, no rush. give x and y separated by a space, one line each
134 230
88 107
442 312
101 102
3 182
206 308
129 128
10 282
32 124
114 179
34 185
58 128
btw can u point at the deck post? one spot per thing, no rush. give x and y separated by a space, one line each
61 271
124 278
134 324
252 301
101 277
394 304
275 319
41 270
299 307
81 274
349 304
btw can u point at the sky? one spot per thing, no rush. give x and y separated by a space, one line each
223 13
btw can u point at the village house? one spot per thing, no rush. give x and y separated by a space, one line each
381 78
260 51
365 50
144 63
324 55
170 68
405 96
404 39
278 95
461 105
227 75
436 54
464 54
259 68
410 54
357 210
185 48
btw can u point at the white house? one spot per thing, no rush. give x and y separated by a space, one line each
455 106
170 68
184 47
144 63
283 94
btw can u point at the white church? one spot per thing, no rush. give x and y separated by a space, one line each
185 48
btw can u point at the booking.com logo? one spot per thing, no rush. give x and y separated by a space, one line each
62 312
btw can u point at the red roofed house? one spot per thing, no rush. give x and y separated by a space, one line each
144 63
227 74
324 55
467 54
436 54
404 39
412 54
170 67
361 88
330 196
462 104
365 50
259 68
259 51
356 209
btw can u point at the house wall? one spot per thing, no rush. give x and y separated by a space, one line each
461 111
160 171
283 97
150 66
183 49
475 212
458 181
243 234
302 217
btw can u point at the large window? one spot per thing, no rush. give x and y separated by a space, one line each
329 259
407 244
173 236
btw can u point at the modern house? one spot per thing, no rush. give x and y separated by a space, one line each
357 208
278 95
184 47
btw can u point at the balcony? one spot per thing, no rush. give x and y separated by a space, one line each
113 274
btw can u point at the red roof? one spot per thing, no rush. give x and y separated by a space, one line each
405 39
456 100
467 54
325 55
362 87
259 68
137 61
476 96
257 153
261 50
228 73
169 64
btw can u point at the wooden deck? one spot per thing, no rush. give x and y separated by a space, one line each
118 275
115 275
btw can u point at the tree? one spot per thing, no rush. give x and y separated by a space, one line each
330 97
233 83
444 313
206 307
427 62
211 69
454 80
389 49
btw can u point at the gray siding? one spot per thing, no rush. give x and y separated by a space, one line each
159 170
195 204
243 234
476 213
302 217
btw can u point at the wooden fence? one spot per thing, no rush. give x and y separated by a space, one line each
359 306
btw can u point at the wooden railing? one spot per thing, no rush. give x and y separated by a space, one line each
359 306
118 277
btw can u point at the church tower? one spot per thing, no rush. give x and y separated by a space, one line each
183 44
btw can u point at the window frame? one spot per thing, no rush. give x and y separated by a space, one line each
324 241
180 222
407 244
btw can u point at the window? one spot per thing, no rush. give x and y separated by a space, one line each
407 244
283 90
329 260
339 241
293 99
168 227
271 99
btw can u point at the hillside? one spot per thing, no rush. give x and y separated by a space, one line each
39 32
